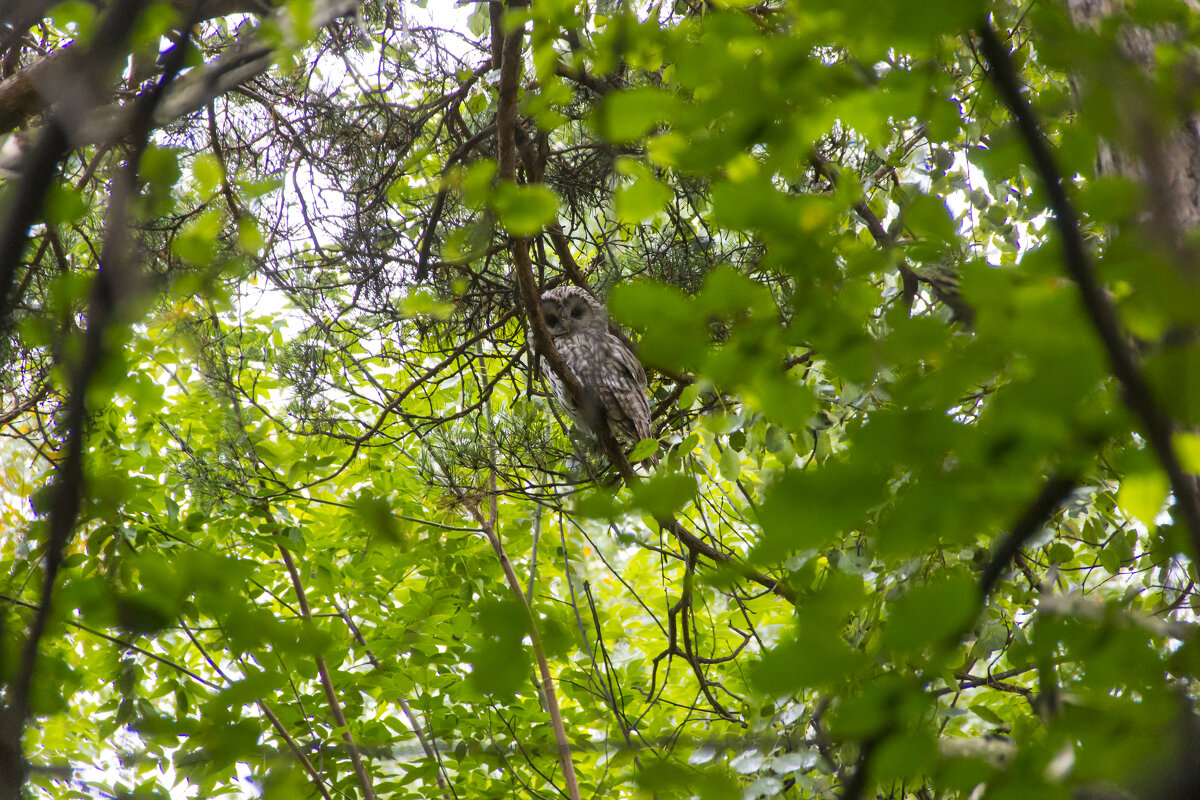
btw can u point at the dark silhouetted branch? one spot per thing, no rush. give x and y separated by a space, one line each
1034 518
1155 425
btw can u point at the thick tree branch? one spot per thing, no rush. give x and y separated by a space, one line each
1155 425
506 122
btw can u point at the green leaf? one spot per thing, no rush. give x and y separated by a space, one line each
1142 495
1187 445
663 495
64 205
932 613
643 450
807 509
908 756
208 173
776 439
524 210
675 334
819 659
627 116
499 661
986 714
376 513
1060 553
161 171
731 464
661 778
599 504
928 217
479 20
197 242
641 200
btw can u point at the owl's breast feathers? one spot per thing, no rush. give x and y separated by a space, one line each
613 380
613 383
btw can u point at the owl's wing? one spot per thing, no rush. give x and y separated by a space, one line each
623 391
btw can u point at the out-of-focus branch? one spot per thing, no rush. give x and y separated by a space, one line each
31 89
116 281
1156 426
192 91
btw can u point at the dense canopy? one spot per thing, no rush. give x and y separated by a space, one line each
287 510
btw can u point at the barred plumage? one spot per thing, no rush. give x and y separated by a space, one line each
612 378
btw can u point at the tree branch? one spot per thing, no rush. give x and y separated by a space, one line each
506 124
237 65
116 281
488 524
1155 425
1054 492
335 706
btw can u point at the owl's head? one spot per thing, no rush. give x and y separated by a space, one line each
569 310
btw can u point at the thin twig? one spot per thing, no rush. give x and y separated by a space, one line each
488 524
335 706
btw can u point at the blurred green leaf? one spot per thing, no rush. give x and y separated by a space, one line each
931 613
663 495
628 115
1142 495
524 210
642 199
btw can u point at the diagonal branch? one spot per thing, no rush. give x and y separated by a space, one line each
1054 492
563 745
195 88
942 290
1156 426
335 706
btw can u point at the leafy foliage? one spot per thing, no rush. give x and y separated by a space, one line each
912 532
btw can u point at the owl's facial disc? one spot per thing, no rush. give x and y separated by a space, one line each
554 320
575 310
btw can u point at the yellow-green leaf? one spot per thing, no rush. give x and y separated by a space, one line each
524 210
1187 447
1142 494
643 199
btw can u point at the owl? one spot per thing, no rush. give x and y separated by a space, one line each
613 381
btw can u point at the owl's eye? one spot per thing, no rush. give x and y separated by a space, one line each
577 312
551 320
